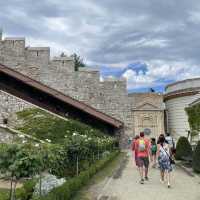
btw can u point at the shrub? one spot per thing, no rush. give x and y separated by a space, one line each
183 148
68 189
196 158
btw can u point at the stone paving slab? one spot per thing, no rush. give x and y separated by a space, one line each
127 187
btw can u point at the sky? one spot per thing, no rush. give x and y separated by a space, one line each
150 43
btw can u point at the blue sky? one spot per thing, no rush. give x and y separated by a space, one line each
141 78
148 42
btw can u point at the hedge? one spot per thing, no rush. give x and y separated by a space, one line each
196 159
183 148
69 189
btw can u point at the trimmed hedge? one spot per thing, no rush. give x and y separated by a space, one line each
183 148
69 189
196 159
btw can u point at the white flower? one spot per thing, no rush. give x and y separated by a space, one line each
74 134
21 136
37 145
42 141
48 140
24 141
65 136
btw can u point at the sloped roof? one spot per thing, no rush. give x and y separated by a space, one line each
60 96
196 102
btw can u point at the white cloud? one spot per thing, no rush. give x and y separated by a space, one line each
160 71
135 80
154 42
56 24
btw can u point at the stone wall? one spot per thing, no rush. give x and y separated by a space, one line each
10 104
109 96
148 113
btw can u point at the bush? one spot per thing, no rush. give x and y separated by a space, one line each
68 189
196 159
183 148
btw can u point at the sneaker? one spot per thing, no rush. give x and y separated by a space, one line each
146 178
142 181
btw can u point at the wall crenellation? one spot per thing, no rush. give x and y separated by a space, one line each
108 96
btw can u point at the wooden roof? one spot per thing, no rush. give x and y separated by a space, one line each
60 96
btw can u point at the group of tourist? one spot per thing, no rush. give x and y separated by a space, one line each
159 152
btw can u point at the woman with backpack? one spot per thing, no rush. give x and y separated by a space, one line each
164 159
153 152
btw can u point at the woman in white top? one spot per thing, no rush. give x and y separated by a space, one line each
163 155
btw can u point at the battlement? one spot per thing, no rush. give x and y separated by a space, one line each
14 39
14 45
39 55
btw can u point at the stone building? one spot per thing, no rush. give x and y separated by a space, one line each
109 96
177 97
148 113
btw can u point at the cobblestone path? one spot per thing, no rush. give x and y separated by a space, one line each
124 185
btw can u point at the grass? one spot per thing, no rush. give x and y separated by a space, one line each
85 193
4 194
43 125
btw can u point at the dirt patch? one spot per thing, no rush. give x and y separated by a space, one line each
4 184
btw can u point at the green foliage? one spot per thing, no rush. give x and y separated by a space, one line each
78 62
43 125
19 161
68 189
194 117
25 193
196 158
183 148
4 194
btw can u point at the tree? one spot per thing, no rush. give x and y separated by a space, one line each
19 161
78 61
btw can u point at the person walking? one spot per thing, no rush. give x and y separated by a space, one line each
142 146
163 155
171 143
134 151
153 152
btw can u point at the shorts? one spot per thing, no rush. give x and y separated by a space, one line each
143 161
136 161
153 153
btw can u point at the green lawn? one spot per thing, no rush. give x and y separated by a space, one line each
4 194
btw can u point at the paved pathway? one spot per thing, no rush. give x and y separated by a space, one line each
126 186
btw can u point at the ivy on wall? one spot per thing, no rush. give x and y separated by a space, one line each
194 117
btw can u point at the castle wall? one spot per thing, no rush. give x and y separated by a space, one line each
109 96
13 52
10 104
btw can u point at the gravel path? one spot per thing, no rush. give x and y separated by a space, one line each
127 187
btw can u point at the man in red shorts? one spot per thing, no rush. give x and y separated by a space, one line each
142 146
